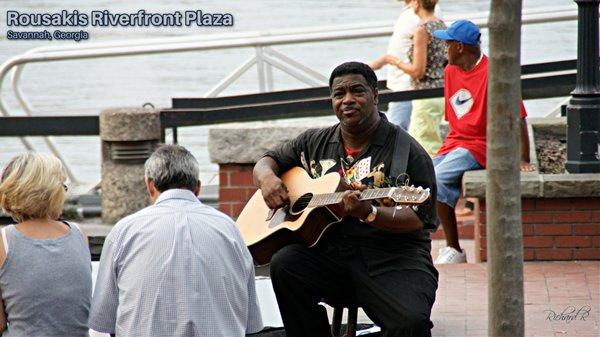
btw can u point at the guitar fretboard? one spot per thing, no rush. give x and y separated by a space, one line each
334 198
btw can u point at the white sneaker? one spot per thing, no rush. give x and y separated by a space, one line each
450 255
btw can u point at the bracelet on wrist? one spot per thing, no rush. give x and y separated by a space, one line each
371 216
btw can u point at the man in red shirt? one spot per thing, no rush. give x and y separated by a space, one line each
464 149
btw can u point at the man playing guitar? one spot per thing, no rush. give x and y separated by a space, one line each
377 255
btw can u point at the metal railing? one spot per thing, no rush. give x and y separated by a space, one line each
540 80
266 58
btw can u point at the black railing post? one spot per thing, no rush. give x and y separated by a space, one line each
583 111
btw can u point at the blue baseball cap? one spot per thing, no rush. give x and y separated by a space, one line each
463 31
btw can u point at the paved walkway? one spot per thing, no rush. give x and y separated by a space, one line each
561 299
551 289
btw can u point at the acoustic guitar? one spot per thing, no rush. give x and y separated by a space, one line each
307 217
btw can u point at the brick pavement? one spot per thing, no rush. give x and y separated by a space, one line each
559 287
550 287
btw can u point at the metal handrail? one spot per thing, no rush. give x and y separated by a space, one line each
225 36
541 80
254 39
265 58
247 40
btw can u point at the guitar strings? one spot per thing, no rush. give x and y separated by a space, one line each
339 193
304 203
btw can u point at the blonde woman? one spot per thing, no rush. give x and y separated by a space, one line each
427 59
45 268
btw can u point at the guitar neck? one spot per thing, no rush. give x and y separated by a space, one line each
325 199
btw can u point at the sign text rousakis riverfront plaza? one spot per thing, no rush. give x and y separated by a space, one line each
106 18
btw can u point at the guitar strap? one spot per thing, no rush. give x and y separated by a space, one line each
400 161
401 152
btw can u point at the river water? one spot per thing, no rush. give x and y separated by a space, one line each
88 86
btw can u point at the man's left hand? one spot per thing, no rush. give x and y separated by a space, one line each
527 167
352 206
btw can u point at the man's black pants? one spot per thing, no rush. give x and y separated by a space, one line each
398 301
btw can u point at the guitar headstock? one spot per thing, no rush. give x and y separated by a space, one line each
410 195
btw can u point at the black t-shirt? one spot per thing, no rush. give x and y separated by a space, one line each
321 151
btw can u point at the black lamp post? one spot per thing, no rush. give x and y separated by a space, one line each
583 111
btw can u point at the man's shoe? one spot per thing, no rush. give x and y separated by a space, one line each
450 255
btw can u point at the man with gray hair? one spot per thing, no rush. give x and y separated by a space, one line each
177 267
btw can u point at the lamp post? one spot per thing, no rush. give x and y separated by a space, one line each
583 111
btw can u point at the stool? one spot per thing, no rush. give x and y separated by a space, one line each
338 310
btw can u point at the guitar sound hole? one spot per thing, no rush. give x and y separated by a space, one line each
300 205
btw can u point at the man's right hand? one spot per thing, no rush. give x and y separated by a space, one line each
274 192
